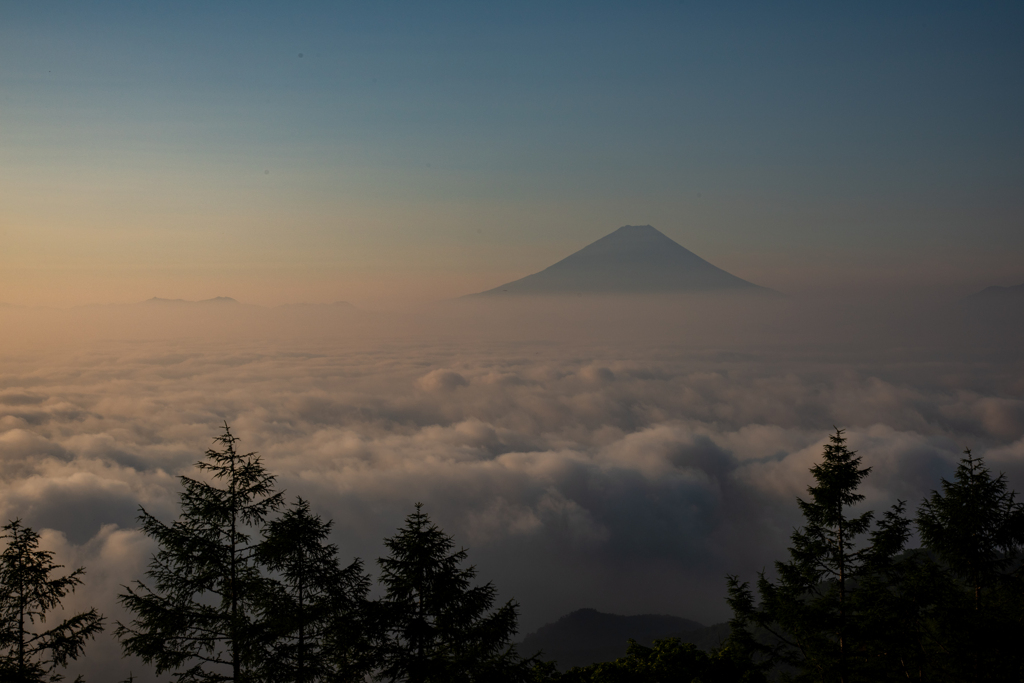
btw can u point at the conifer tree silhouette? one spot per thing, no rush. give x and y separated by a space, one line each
317 628
438 627
815 623
975 529
199 615
28 593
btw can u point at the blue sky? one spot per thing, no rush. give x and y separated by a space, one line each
395 151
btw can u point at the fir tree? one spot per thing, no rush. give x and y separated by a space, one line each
975 529
437 626
316 613
28 593
199 614
891 603
810 617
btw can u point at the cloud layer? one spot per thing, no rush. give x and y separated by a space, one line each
626 477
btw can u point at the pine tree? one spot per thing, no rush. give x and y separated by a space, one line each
810 617
200 615
975 529
28 593
437 626
316 615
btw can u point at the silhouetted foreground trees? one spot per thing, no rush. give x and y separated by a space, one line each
436 626
202 614
245 589
853 603
951 610
28 593
233 595
318 621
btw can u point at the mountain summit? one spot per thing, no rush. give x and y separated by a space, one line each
635 259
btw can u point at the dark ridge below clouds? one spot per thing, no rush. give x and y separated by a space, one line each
587 636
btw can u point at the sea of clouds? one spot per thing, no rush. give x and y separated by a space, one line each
625 472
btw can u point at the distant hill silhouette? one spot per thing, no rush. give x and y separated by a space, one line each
228 301
217 300
587 636
997 295
633 259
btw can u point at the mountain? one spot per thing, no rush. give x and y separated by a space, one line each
999 295
634 259
587 636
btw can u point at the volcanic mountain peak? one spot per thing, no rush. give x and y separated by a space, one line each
634 259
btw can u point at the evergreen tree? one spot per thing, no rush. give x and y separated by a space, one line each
975 530
28 593
892 603
810 617
316 613
436 624
200 614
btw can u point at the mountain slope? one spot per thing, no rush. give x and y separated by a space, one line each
633 259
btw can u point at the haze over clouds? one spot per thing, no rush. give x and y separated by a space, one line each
580 468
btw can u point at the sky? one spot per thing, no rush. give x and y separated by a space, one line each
396 153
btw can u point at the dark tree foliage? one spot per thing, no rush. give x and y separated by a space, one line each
28 593
811 620
437 626
317 628
890 604
199 615
974 529
669 660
